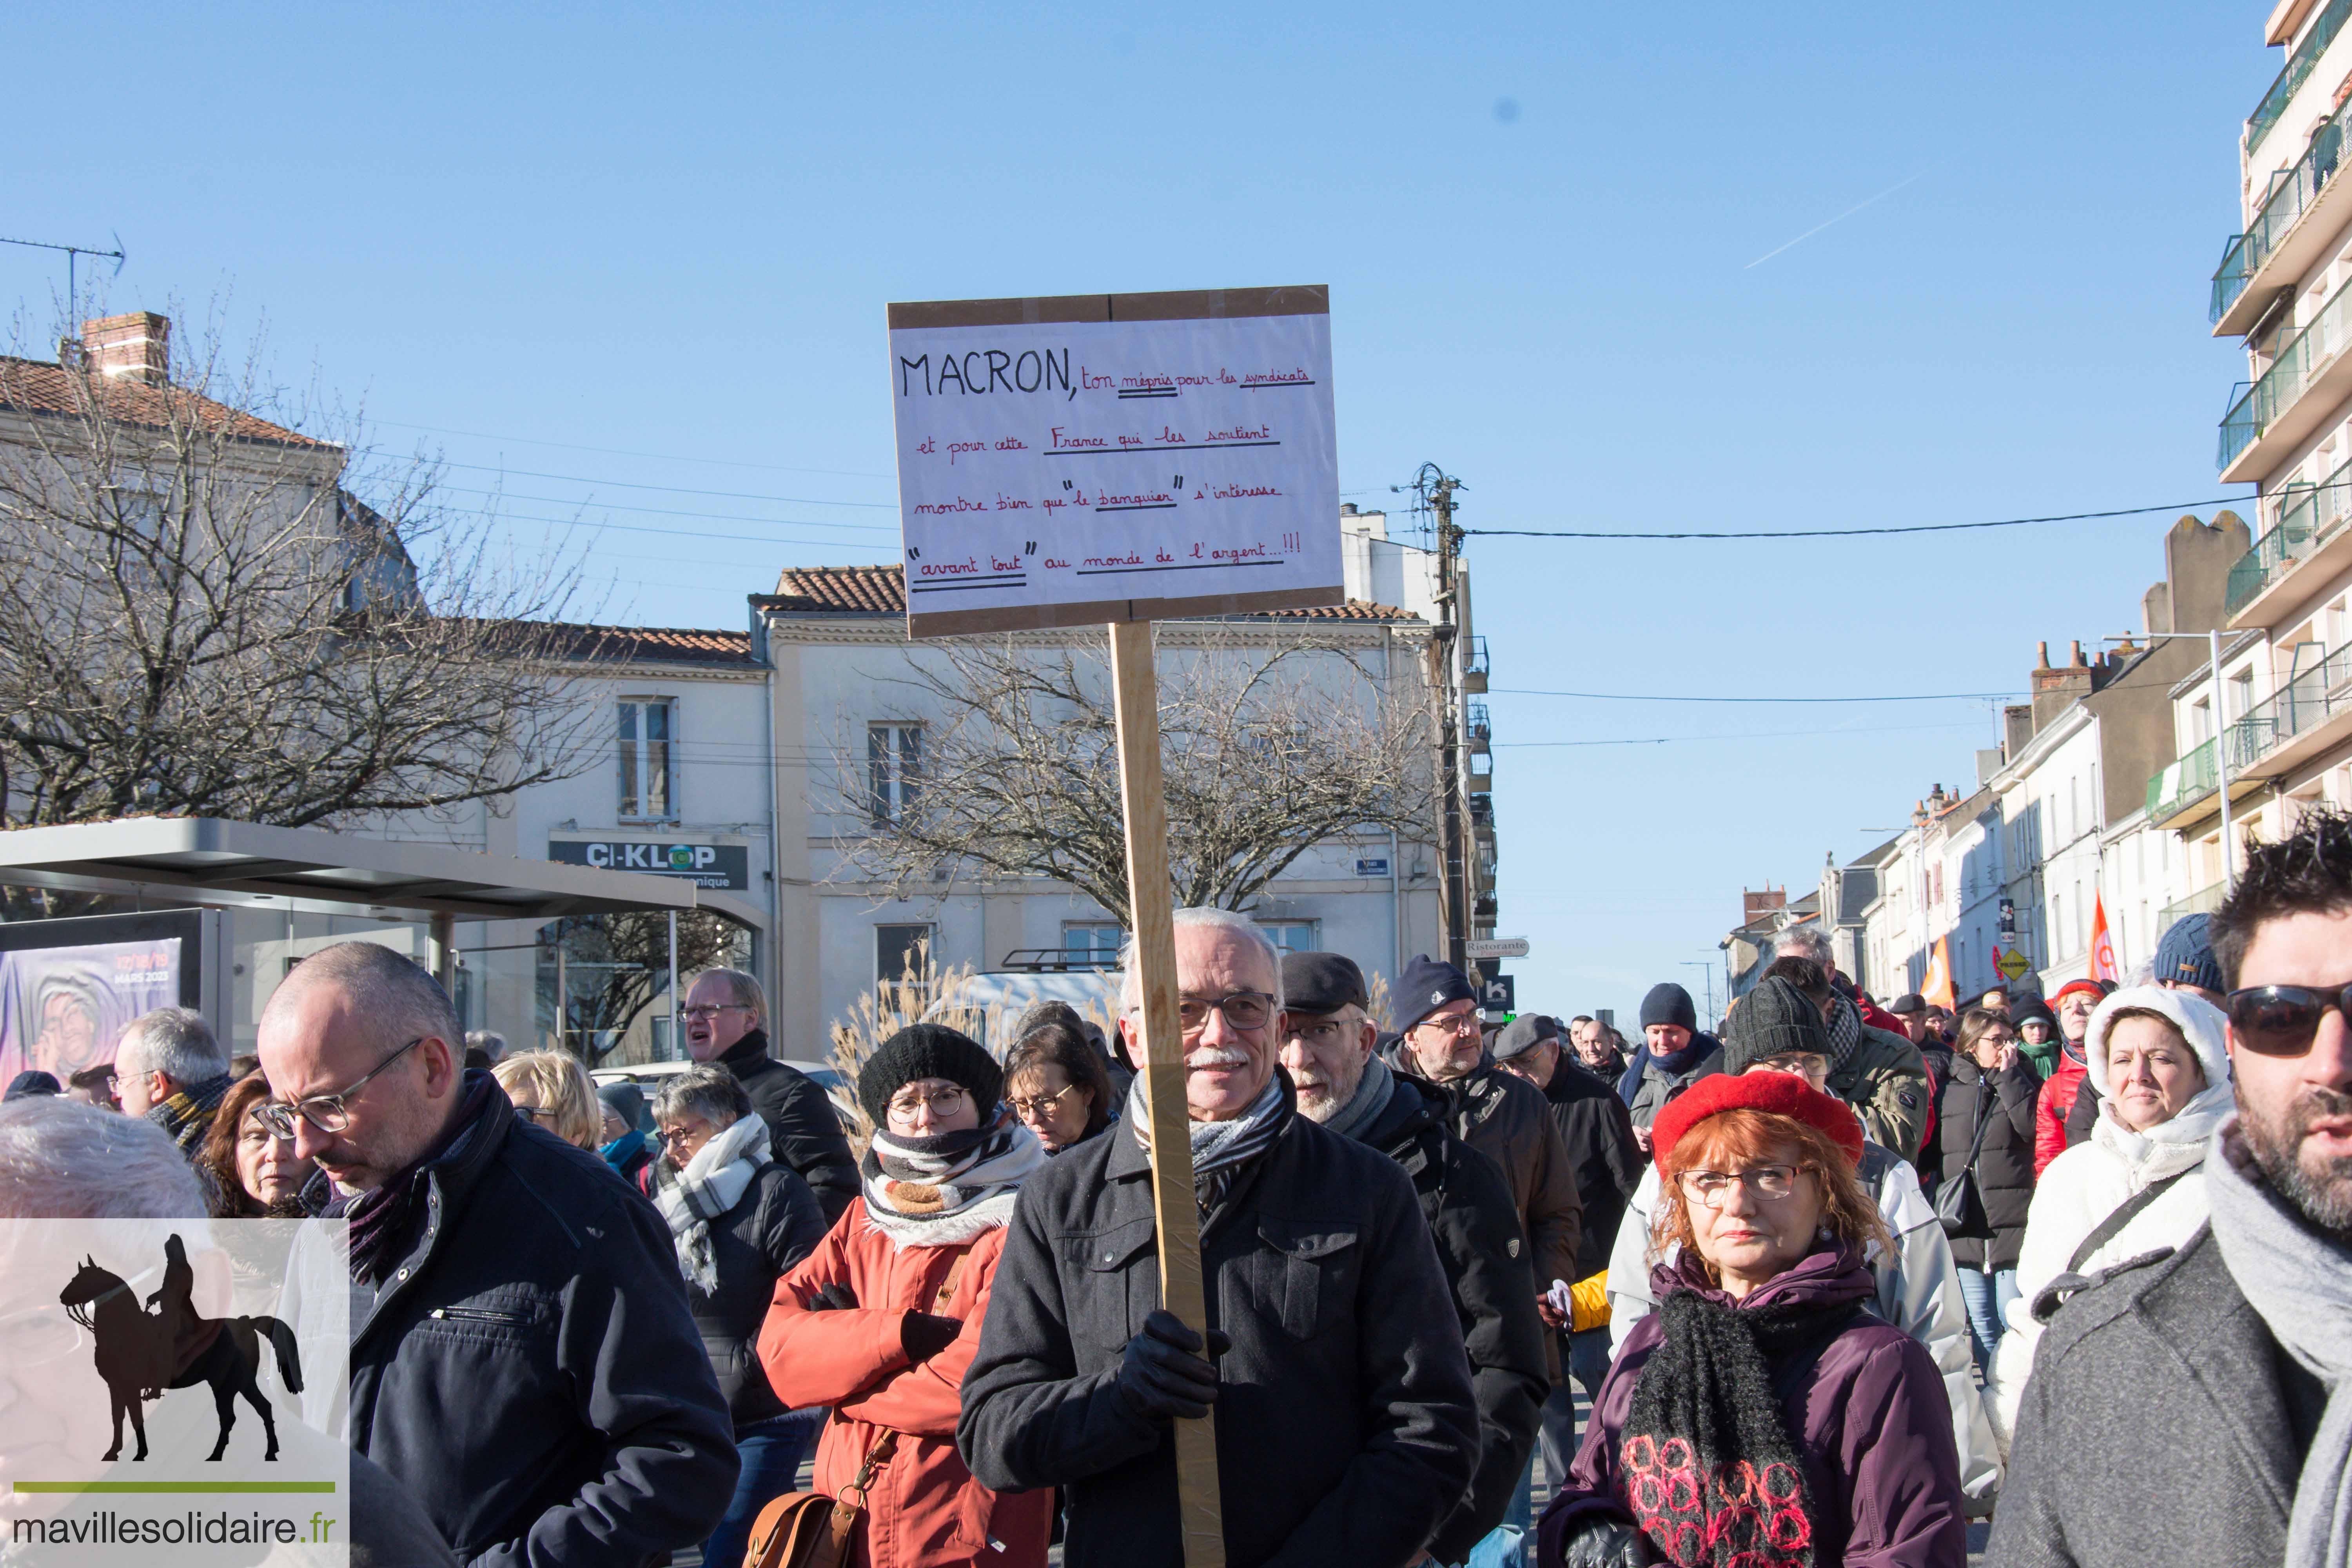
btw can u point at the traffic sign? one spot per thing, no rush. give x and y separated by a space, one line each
1496 947
2013 963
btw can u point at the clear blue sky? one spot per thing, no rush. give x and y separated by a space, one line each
643 232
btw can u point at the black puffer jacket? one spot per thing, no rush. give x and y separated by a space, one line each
2004 1166
528 1369
1476 1228
1598 1132
775 1225
803 1131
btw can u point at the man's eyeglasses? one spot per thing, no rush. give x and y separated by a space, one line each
1242 1010
1456 1023
1329 1032
327 1112
1713 1188
941 1102
1034 1104
2283 1020
701 1015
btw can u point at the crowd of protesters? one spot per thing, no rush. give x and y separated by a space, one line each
1833 1278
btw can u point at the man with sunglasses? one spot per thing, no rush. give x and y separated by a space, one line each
2195 1405
522 1354
1346 1427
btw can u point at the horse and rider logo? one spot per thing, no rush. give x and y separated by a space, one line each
141 1351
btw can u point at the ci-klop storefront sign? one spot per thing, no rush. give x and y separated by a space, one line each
719 867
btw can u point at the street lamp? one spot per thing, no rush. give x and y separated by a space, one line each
2221 734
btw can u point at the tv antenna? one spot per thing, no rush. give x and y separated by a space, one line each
74 253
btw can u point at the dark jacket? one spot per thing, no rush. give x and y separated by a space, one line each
1598 1134
2004 1166
1868 1412
774 1225
2163 1425
2085 1114
1658 1087
529 1371
802 1130
1504 1116
1346 1426
1885 1082
1477 1227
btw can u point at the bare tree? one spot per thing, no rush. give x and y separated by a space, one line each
1269 747
206 612
615 965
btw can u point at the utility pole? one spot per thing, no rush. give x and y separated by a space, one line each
1435 488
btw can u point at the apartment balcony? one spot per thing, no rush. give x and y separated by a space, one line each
2310 527
1478 729
2293 74
1474 666
1482 814
2203 901
2308 716
2300 215
1482 780
2184 789
2306 383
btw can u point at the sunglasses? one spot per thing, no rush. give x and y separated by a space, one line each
2283 1020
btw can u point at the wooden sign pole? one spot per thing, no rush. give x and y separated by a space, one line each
1136 697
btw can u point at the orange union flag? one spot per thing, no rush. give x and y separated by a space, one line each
1936 989
2102 942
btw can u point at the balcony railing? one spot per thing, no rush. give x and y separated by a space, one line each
2307 515
2294 73
2302 703
2289 376
2193 775
1474 666
1478 727
2290 196
2203 901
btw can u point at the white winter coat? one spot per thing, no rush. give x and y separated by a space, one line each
2089 1181
1918 1292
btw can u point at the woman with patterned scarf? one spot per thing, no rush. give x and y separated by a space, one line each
882 1320
1762 1417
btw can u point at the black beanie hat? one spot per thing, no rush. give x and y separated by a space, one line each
928 1050
1668 1003
1427 984
1773 1020
1321 983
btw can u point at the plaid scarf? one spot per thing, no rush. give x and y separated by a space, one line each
713 1182
382 1215
187 1116
946 1189
1222 1151
1845 1032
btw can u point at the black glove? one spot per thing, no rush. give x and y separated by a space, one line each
1162 1372
1605 1542
832 1298
923 1335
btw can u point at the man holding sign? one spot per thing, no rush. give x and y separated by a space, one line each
1346 1426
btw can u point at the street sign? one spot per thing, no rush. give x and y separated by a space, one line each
1499 994
2013 964
1371 865
1115 458
1496 947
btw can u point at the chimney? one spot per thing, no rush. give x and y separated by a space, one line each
2056 690
1755 906
134 347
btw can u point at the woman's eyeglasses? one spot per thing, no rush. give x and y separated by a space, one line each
2283 1020
1713 1188
940 1103
1034 1104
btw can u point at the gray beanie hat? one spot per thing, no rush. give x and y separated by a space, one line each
1773 1020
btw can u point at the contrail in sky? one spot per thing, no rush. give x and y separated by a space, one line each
1840 218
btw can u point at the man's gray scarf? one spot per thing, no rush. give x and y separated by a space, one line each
713 1182
2300 1282
1364 1106
1220 1149
1845 1032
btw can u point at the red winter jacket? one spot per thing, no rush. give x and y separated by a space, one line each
926 1510
2057 1098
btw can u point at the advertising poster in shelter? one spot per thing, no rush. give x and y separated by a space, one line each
62 1008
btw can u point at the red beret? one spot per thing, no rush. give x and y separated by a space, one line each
1777 1093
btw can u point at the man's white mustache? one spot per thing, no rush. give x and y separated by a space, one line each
1216 1057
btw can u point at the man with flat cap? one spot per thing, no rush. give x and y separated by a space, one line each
1327 1049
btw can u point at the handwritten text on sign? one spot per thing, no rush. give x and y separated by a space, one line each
1085 462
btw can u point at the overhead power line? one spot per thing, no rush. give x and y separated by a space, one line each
1746 735
1853 532
1635 696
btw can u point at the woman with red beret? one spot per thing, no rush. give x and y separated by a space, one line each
1762 1417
